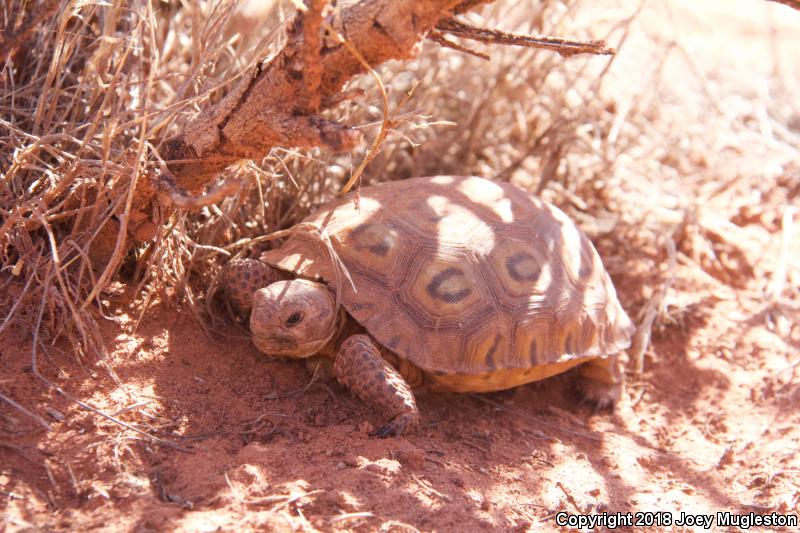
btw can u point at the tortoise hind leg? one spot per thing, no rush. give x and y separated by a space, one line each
601 381
360 367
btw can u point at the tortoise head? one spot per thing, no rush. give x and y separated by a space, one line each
294 318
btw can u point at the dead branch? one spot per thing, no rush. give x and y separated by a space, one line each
440 39
564 47
171 194
654 307
279 102
267 108
385 124
41 421
312 21
469 5
794 4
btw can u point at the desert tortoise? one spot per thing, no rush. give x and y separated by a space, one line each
454 283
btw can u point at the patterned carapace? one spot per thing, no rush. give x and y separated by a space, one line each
474 281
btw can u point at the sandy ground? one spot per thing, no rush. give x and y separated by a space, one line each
712 425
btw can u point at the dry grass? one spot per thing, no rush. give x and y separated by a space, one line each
684 175
86 93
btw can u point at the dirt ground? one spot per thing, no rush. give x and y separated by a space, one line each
711 425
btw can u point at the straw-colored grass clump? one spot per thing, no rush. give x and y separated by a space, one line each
89 92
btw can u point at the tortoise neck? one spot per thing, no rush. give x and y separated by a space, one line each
345 326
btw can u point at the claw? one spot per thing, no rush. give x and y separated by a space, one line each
601 397
360 367
397 427
384 431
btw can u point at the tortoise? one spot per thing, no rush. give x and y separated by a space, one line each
451 283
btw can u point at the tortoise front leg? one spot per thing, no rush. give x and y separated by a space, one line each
241 278
360 367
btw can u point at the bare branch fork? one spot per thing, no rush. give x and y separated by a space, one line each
564 47
794 4
272 107
278 104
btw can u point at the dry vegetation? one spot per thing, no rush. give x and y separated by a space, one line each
85 98
686 178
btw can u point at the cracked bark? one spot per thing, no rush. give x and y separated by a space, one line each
270 107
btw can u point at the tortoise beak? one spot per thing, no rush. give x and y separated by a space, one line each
276 344
286 346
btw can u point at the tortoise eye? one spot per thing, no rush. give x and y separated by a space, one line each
294 319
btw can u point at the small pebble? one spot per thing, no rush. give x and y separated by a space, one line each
414 459
55 414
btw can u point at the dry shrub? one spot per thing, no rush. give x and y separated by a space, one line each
88 90
84 94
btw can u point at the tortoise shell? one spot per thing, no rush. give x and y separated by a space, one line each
472 280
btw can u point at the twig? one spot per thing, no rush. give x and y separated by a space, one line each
479 447
778 281
173 194
794 4
641 339
108 416
24 410
58 267
13 496
21 298
288 173
396 525
520 413
131 407
53 386
564 414
283 500
775 312
376 144
296 392
76 488
565 47
351 516
570 497
439 38
468 5
120 248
